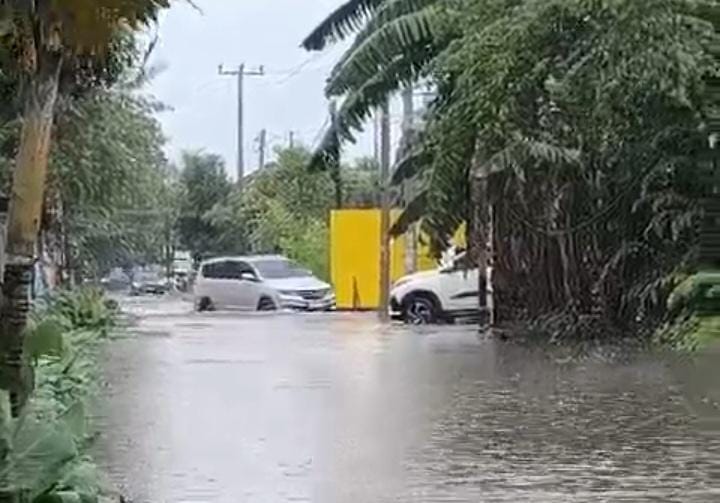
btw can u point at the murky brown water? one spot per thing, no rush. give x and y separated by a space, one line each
334 408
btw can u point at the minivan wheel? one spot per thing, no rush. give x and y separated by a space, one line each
266 304
204 304
420 309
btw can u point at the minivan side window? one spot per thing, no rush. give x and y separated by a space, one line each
210 270
235 269
216 270
229 269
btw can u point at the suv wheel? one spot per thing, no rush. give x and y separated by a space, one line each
420 309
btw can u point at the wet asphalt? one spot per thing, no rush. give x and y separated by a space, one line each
318 407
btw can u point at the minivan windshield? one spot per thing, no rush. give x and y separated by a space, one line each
148 276
279 268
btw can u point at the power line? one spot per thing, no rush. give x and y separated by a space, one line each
293 72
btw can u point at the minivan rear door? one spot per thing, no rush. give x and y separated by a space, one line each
245 292
217 284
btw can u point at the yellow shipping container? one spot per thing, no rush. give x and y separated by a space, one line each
355 257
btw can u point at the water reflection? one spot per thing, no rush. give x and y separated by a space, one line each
340 409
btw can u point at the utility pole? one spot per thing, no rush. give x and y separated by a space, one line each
408 108
490 267
376 137
335 173
291 139
240 72
261 152
384 213
411 237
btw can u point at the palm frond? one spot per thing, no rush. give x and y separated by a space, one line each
327 153
447 178
410 165
412 213
372 34
359 105
343 21
517 153
382 45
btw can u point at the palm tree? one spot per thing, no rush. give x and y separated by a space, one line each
710 232
545 113
394 42
44 38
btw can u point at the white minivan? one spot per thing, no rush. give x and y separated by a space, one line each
259 282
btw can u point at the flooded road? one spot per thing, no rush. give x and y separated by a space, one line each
335 408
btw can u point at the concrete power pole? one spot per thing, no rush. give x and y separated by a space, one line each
335 172
261 149
411 237
376 137
383 312
240 72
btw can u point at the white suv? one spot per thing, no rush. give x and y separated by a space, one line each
447 293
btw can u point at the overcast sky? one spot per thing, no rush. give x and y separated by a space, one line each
268 32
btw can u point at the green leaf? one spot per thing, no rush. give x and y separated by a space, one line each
384 43
45 339
41 450
60 497
340 23
87 479
75 418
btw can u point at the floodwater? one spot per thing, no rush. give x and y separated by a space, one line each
336 408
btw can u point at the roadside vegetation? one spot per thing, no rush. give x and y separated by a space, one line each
694 319
72 133
575 137
50 435
282 209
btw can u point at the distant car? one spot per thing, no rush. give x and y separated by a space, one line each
444 294
149 282
260 282
116 280
181 281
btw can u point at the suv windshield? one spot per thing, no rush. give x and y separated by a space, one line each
276 269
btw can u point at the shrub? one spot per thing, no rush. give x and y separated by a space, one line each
48 461
694 309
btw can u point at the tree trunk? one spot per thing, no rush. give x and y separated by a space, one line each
556 214
26 203
480 220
